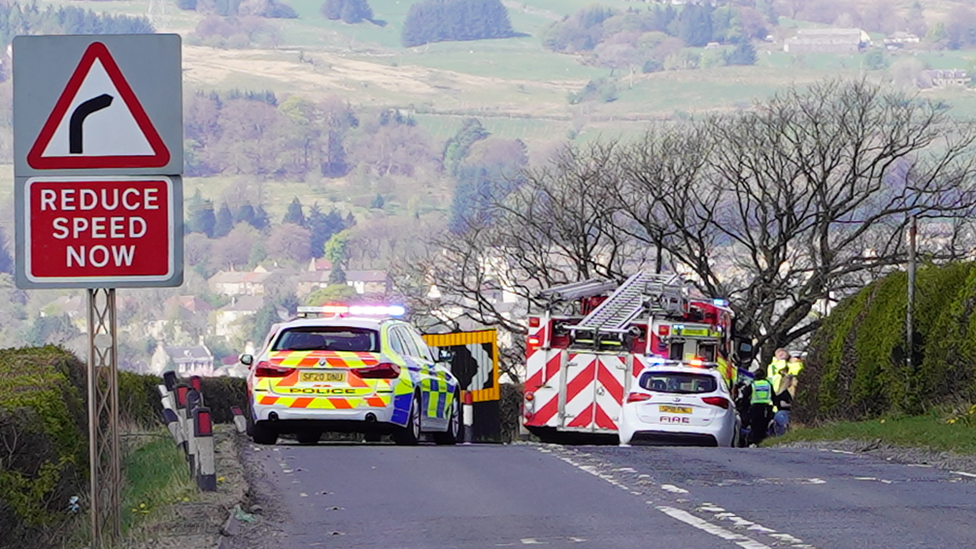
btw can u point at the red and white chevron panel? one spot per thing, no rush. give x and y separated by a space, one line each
542 368
594 392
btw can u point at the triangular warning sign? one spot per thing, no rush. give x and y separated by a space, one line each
98 122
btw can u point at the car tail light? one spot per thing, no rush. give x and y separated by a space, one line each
721 402
530 396
533 322
638 397
383 370
265 369
663 330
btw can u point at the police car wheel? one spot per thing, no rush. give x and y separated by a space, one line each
262 433
409 435
453 425
308 437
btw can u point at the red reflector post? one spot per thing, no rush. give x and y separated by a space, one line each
638 397
721 402
181 391
202 423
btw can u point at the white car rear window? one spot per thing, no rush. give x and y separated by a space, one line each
678 382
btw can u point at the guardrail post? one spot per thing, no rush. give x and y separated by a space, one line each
206 474
468 399
173 424
169 378
192 403
181 392
239 420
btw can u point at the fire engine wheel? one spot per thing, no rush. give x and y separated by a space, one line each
308 437
409 435
453 424
262 433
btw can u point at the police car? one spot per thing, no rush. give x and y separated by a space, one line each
680 402
356 369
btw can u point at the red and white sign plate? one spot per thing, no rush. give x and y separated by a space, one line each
98 122
99 229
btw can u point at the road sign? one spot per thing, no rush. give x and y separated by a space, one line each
109 104
99 232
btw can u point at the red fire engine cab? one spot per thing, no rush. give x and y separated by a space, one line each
591 340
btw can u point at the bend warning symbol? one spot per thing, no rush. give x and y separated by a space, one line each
97 122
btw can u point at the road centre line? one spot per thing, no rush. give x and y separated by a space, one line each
963 473
720 513
704 525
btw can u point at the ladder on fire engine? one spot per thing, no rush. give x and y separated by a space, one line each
655 293
577 290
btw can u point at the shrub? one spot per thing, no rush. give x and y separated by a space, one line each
221 393
510 411
856 366
42 442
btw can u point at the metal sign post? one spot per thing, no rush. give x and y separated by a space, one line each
98 194
103 417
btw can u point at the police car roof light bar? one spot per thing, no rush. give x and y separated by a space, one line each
354 310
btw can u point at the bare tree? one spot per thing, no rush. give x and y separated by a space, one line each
557 224
806 195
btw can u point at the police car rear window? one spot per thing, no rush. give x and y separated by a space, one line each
677 382
328 338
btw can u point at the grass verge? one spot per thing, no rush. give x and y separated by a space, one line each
931 431
156 475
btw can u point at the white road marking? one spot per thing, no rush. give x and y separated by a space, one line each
865 478
845 452
963 473
701 524
577 540
787 538
918 465
626 470
688 518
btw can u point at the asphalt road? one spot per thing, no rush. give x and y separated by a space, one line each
361 495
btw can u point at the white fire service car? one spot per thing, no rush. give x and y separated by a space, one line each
680 402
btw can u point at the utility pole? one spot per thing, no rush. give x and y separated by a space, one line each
909 321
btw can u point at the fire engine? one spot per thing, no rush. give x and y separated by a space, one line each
590 341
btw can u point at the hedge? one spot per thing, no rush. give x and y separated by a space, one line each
43 447
856 367
44 434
